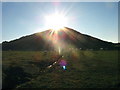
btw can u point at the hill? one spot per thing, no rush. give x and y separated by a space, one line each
65 38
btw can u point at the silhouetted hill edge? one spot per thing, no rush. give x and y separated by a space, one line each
36 42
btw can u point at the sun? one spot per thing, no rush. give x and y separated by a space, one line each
55 21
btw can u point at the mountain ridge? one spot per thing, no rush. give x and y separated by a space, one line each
72 37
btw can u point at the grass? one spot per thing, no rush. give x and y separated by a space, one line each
85 69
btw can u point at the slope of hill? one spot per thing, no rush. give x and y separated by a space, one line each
50 40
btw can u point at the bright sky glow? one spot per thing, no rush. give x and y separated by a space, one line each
98 19
56 21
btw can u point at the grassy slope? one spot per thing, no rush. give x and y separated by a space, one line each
85 69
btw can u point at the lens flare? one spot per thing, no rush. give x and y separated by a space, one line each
63 64
64 67
59 50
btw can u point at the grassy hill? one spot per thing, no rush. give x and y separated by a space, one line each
65 38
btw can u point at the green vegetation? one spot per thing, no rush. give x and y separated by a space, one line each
85 69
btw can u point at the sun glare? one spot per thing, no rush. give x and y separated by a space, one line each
56 21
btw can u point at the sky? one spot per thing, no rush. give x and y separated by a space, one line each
97 19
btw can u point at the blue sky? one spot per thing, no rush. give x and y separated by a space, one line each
98 19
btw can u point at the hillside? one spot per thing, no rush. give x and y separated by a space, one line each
51 40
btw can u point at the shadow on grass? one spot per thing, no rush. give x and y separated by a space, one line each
14 76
